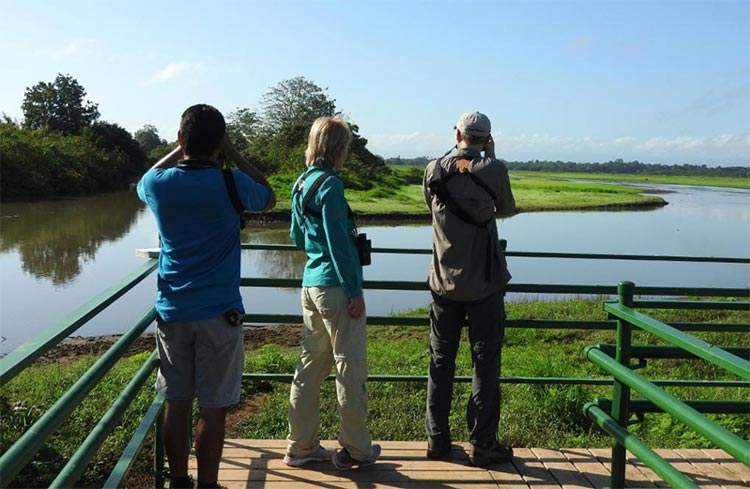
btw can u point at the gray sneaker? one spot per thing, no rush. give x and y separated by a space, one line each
343 461
319 455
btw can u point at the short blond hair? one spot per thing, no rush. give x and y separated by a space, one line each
329 138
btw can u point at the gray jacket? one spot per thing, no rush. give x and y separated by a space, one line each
467 263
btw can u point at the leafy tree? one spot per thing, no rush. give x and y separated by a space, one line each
60 106
148 138
112 137
244 127
295 101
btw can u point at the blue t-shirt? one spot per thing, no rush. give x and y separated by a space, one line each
199 262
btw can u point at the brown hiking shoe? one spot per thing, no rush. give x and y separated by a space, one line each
491 455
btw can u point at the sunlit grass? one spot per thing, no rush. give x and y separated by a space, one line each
650 179
532 192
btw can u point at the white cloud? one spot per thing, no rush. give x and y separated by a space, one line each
732 142
171 71
76 47
721 149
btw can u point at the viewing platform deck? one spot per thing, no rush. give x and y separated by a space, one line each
258 464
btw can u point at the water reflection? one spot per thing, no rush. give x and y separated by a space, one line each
54 239
271 263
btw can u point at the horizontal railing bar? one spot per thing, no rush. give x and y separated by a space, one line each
693 305
251 320
733 444
712 327
125 462
517 288
425 321
530 254
711 407
78 462
659 352
288 377
27 353
699 348
645 454
23 450
604 256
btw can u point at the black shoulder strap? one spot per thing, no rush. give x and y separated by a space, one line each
483 185
232 190
311 193
306 198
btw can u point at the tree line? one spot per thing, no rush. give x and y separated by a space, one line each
612 167
61 147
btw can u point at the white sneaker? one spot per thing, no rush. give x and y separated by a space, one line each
319 455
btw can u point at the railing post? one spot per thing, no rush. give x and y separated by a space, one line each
159 478
621 392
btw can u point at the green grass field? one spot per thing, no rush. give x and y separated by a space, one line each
651 179
533 192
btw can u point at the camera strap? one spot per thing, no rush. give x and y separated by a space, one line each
232 190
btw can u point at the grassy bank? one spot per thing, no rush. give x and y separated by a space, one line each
532 415
703 181
400 195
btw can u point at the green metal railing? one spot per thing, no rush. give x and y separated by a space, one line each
18 455
24 449
616 360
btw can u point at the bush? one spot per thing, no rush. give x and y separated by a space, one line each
45 164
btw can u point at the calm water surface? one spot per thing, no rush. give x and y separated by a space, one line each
56 256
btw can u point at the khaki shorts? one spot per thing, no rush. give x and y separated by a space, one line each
200 358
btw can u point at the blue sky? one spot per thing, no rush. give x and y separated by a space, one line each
658 81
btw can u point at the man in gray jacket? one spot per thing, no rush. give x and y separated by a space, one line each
464 192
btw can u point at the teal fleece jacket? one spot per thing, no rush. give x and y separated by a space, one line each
328 240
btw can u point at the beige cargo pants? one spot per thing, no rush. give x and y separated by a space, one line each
330 337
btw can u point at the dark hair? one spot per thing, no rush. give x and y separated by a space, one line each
202 128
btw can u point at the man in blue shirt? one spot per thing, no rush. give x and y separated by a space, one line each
199 330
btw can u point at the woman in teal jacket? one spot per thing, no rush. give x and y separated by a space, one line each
333 306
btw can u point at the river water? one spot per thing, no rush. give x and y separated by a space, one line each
56 256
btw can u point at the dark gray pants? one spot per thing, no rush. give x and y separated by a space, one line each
486 330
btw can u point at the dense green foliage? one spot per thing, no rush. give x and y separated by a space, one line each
275 137
38 163
62 148
58 106
148 138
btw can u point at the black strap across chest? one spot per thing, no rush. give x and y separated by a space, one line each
308 196
440 191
